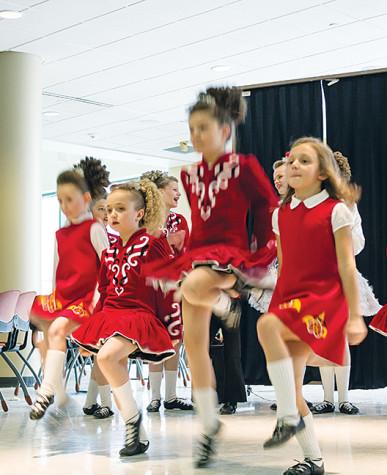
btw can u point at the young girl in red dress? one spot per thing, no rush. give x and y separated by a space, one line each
221 189
98 386
176 231
78 247
125 323
317 289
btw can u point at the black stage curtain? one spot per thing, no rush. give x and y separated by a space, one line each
276 116
357 126
356 110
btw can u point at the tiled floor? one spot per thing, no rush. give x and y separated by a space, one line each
77 444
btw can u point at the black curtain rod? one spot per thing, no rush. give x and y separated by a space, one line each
329 77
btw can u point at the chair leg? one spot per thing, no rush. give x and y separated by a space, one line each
71 364
27 364
4 405
140 374
16 392
27 396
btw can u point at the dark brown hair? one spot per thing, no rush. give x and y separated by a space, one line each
225 104
89 175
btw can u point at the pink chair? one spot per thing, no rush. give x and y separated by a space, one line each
8 302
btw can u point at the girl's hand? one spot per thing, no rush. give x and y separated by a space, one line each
356 330
176 239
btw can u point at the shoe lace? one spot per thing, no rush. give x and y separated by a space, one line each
104 411
41 404
322 405
302 467
155 403
347 405
131 430
204 447
182 402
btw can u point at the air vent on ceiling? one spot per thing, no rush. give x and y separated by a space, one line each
77 99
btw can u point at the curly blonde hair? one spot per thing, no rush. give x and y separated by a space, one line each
159 178
334 183
343 163
146 196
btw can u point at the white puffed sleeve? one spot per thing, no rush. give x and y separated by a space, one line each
99 238
341 216
274 221
358 238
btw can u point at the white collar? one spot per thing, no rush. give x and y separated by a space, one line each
80 219
310 202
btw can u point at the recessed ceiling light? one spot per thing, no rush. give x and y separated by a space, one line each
92 136
50 113
333 24
220 68
10 14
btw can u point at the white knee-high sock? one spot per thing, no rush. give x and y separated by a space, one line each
206 401
170 385
342 380
125 401
328 382
343 374
92 393
105 395
282 378
155 378
53 382
308 440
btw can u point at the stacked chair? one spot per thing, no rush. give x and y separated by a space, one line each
15 308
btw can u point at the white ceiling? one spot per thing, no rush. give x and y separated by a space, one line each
139 64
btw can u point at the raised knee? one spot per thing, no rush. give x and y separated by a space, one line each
266 325
57 331
105 358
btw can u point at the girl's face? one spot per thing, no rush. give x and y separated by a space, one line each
122 215
72 201
279 177
303 169
171 194
207 135
100 212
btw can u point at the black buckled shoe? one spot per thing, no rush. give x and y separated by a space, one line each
324 407
89 411
307 467
348 408
228 408
206 448
283 432
40 406
133 445
178 403
103 412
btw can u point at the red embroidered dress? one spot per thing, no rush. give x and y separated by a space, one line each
127 306
220 197
308 297
176 222
76 274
